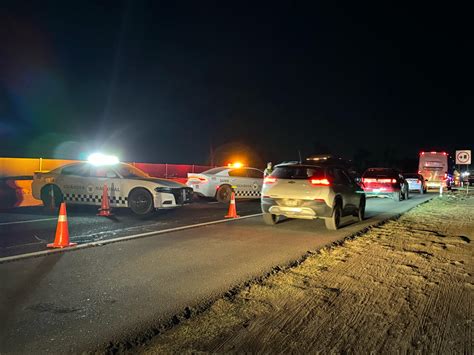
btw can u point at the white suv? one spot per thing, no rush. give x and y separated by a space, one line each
310 192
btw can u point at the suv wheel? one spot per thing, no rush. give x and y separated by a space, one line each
270 219
333 222
361 209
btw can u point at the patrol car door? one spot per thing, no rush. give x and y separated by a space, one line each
73 182
238 179
256 181
101 176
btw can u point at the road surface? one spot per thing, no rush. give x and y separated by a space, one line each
84 299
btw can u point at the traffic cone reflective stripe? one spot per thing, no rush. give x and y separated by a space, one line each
232 208
104 209
61 239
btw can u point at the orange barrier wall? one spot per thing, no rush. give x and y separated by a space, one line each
16 175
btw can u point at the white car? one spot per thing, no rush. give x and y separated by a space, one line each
218 182
83 184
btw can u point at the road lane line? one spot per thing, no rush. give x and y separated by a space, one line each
121 239
28 221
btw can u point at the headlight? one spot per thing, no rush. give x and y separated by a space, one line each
163 189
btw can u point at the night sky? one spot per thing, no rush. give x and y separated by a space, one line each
165 81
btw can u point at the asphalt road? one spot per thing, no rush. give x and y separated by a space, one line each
81 300
29 229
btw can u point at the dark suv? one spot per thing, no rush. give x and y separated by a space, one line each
385 182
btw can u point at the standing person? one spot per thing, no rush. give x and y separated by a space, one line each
268 170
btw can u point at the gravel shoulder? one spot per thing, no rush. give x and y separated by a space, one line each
404 286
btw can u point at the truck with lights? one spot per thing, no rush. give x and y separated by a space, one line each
433 166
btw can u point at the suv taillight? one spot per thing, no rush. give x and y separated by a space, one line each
269 180
320 182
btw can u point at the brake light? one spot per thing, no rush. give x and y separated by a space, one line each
269 180
444 153
422 153
445 176
387 181
320 182
364 180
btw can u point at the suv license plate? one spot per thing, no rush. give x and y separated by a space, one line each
292 203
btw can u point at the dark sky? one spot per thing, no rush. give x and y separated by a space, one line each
163 81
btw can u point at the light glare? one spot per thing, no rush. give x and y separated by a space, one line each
102 159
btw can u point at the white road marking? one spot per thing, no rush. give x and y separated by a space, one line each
27 221
121 239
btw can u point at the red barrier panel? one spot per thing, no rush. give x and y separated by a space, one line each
171 171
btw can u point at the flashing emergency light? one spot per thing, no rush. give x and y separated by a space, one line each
236 165
102 159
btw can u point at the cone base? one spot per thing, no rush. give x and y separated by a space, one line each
236 216
104 213
52 245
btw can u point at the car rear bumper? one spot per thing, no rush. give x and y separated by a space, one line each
414 186
307 210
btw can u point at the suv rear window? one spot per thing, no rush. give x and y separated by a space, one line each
374 173
297 172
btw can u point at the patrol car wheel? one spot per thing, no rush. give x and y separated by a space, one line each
140 201
50 194
333 222
224 193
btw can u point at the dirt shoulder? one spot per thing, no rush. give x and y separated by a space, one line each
404 286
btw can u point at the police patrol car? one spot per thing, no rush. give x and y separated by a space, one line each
217 182
83 183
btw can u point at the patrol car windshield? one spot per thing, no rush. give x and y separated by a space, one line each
128 171
297 172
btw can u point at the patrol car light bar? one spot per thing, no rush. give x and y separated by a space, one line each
102 159
236 165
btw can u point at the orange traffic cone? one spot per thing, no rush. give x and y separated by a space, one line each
232 209
104 209
62 233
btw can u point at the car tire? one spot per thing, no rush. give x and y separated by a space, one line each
397 196
46 195
140 201
361 209
333 222
270 219
224 193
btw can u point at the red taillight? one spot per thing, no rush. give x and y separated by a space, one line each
444 153
320 182
202 179
269 180
422 153
364 180
387 181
